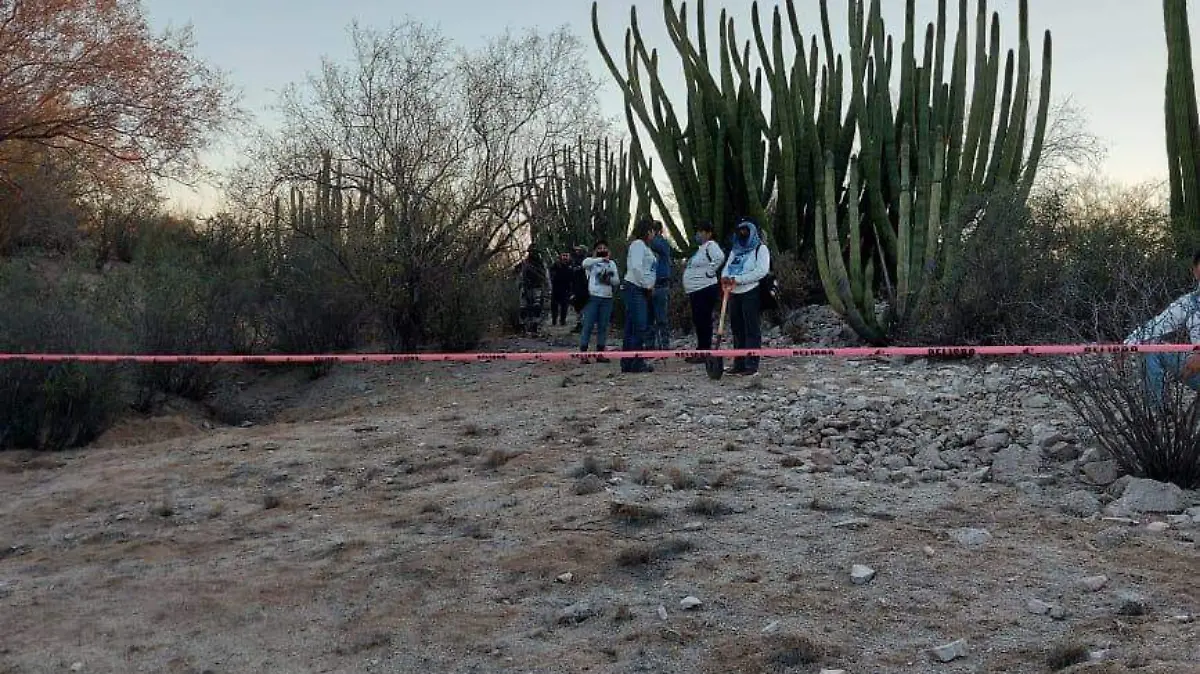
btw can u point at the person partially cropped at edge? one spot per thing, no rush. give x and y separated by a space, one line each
602 276
639 293
701 284
1182 314
749 263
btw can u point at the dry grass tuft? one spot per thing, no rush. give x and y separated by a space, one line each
644 554
1065 655
634 513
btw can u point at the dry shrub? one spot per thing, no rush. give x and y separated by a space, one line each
708 507
643 554
1066 655
635 514
1155 441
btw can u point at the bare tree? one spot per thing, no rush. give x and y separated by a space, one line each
437 136
437 139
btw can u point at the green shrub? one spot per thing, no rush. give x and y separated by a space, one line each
1069 267
200 294
313 304
55 406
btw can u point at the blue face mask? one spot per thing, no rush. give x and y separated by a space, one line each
698 239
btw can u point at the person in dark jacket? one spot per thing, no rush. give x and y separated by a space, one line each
579 285
660 320
533 281
562 285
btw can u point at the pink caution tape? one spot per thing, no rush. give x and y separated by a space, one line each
557 356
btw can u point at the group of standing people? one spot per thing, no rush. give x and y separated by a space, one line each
591 282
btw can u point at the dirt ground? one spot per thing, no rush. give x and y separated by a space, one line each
421 518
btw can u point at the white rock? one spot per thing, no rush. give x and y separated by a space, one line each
950 651
690 603
1157 527
771 628
861 574
77 667
1094 583
1149 496
662 612
714 421
565 578
971 538
1038 607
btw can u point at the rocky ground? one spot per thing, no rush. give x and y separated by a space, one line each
866 516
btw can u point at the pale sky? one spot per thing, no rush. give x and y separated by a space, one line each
1109 55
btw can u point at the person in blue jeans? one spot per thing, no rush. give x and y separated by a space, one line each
1183 314
602 277
639 292
660 320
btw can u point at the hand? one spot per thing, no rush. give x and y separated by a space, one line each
728 284
1191 367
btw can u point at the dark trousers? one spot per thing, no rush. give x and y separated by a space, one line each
558 309
746 324
703 303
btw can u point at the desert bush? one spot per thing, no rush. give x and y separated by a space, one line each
1071 266
199 294
38 210
312 305
55 406
1159 441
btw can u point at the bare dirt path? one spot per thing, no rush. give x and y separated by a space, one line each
422 518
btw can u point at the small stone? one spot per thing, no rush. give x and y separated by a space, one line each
1057 612
771 628
1193 513
950 651
77 667
1094 583
1101 473
690 603
662 612
1081 503
971 538
714 421
576 613
993 441
1112 537
565 578
1157 527
1038 607
1038 402
861 575
929 552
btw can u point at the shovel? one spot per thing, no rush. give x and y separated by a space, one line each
715 365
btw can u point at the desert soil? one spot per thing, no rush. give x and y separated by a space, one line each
552 517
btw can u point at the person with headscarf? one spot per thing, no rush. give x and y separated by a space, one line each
749 263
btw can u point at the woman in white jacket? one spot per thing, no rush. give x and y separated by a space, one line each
603 277
702 285
749 263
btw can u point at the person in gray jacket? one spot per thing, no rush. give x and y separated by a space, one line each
639 294
603 277
701 283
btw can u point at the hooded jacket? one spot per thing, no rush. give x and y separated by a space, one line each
749 261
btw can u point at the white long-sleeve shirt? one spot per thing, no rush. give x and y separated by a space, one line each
594 267
758 265
701 269
640 264
1183 313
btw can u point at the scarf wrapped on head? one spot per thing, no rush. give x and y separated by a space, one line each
743 248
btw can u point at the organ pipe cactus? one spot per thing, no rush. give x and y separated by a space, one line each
1182 126
921 157
586 195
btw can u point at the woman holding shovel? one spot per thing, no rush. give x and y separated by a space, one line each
701 283
749 264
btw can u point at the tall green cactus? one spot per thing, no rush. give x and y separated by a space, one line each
716 156
922 157
1182 127
586 195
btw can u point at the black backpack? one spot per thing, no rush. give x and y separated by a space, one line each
768 289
